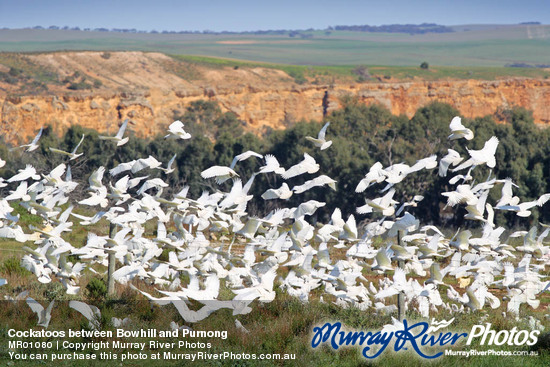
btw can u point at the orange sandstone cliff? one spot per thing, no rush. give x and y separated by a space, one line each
150 90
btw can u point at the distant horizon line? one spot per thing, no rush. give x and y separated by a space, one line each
206 31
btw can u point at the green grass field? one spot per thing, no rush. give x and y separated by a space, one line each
324 73
283 326
478 47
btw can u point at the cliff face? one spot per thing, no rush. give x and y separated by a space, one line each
260 97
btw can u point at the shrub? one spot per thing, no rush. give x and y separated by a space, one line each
543 343
55 291
8 78
15 72
97 289
362 73
298 76
79 86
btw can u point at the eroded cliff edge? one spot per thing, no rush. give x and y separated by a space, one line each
148 89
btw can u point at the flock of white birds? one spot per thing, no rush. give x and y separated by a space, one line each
212 242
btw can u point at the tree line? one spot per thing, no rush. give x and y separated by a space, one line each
361 135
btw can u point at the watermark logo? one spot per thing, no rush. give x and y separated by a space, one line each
416 336
513 337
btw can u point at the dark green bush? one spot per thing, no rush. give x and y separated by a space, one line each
97 289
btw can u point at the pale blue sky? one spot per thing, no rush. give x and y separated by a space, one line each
247 15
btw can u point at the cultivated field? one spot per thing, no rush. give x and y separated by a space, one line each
470 46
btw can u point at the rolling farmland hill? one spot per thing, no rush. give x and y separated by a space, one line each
469 45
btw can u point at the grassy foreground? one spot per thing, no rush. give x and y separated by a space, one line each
284 326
